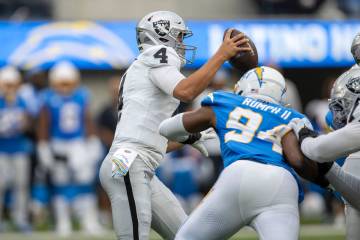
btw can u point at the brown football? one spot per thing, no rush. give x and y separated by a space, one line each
244 61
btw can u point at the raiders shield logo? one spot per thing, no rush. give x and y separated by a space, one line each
161 27
354 85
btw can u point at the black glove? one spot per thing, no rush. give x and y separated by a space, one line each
193 137
323 169
306 132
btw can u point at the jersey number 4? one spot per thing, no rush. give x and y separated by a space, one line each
162 55
248 122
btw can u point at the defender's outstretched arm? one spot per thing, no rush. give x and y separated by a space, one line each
180 126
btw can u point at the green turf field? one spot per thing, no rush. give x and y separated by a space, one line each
308 232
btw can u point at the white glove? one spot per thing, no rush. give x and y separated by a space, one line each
199 144
45 155
297 124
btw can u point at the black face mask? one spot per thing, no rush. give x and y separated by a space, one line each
339 114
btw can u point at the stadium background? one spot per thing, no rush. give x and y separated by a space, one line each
309 40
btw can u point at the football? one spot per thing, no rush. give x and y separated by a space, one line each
244 61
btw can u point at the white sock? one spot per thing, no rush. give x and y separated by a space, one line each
62 215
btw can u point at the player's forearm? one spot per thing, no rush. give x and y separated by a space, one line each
189 88
89 124
331 146
42 130
173 129
346 184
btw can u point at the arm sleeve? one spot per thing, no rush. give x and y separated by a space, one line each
346 184
166 78
331 146
173 129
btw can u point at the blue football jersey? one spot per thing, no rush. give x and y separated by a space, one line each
329 120
247 129
67 113
12 115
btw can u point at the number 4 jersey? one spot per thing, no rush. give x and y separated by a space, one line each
250 129
146 99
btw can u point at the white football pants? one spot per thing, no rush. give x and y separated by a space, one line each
77 169
15 173
262 196
140 201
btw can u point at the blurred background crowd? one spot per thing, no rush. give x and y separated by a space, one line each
57 118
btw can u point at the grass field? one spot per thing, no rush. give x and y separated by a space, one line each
308 232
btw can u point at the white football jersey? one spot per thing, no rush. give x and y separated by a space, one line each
145 100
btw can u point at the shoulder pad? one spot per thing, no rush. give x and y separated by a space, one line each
160 56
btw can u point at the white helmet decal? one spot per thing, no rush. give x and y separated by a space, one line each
161 27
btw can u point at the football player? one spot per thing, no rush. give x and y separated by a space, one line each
344 140
352 163
14 147
69 149
149 92
257 188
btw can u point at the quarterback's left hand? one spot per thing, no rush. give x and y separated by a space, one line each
197 140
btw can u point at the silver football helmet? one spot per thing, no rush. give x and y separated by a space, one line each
165 28
263 83
345 98
355 48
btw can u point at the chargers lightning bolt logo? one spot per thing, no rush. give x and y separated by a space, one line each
259 73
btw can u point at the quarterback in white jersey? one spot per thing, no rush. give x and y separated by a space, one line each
149 92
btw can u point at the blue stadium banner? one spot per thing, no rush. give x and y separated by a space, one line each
112 45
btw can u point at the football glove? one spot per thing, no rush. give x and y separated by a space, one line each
306 132
297 124
323 169
196 140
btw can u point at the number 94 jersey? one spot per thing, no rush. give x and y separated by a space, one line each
249 128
